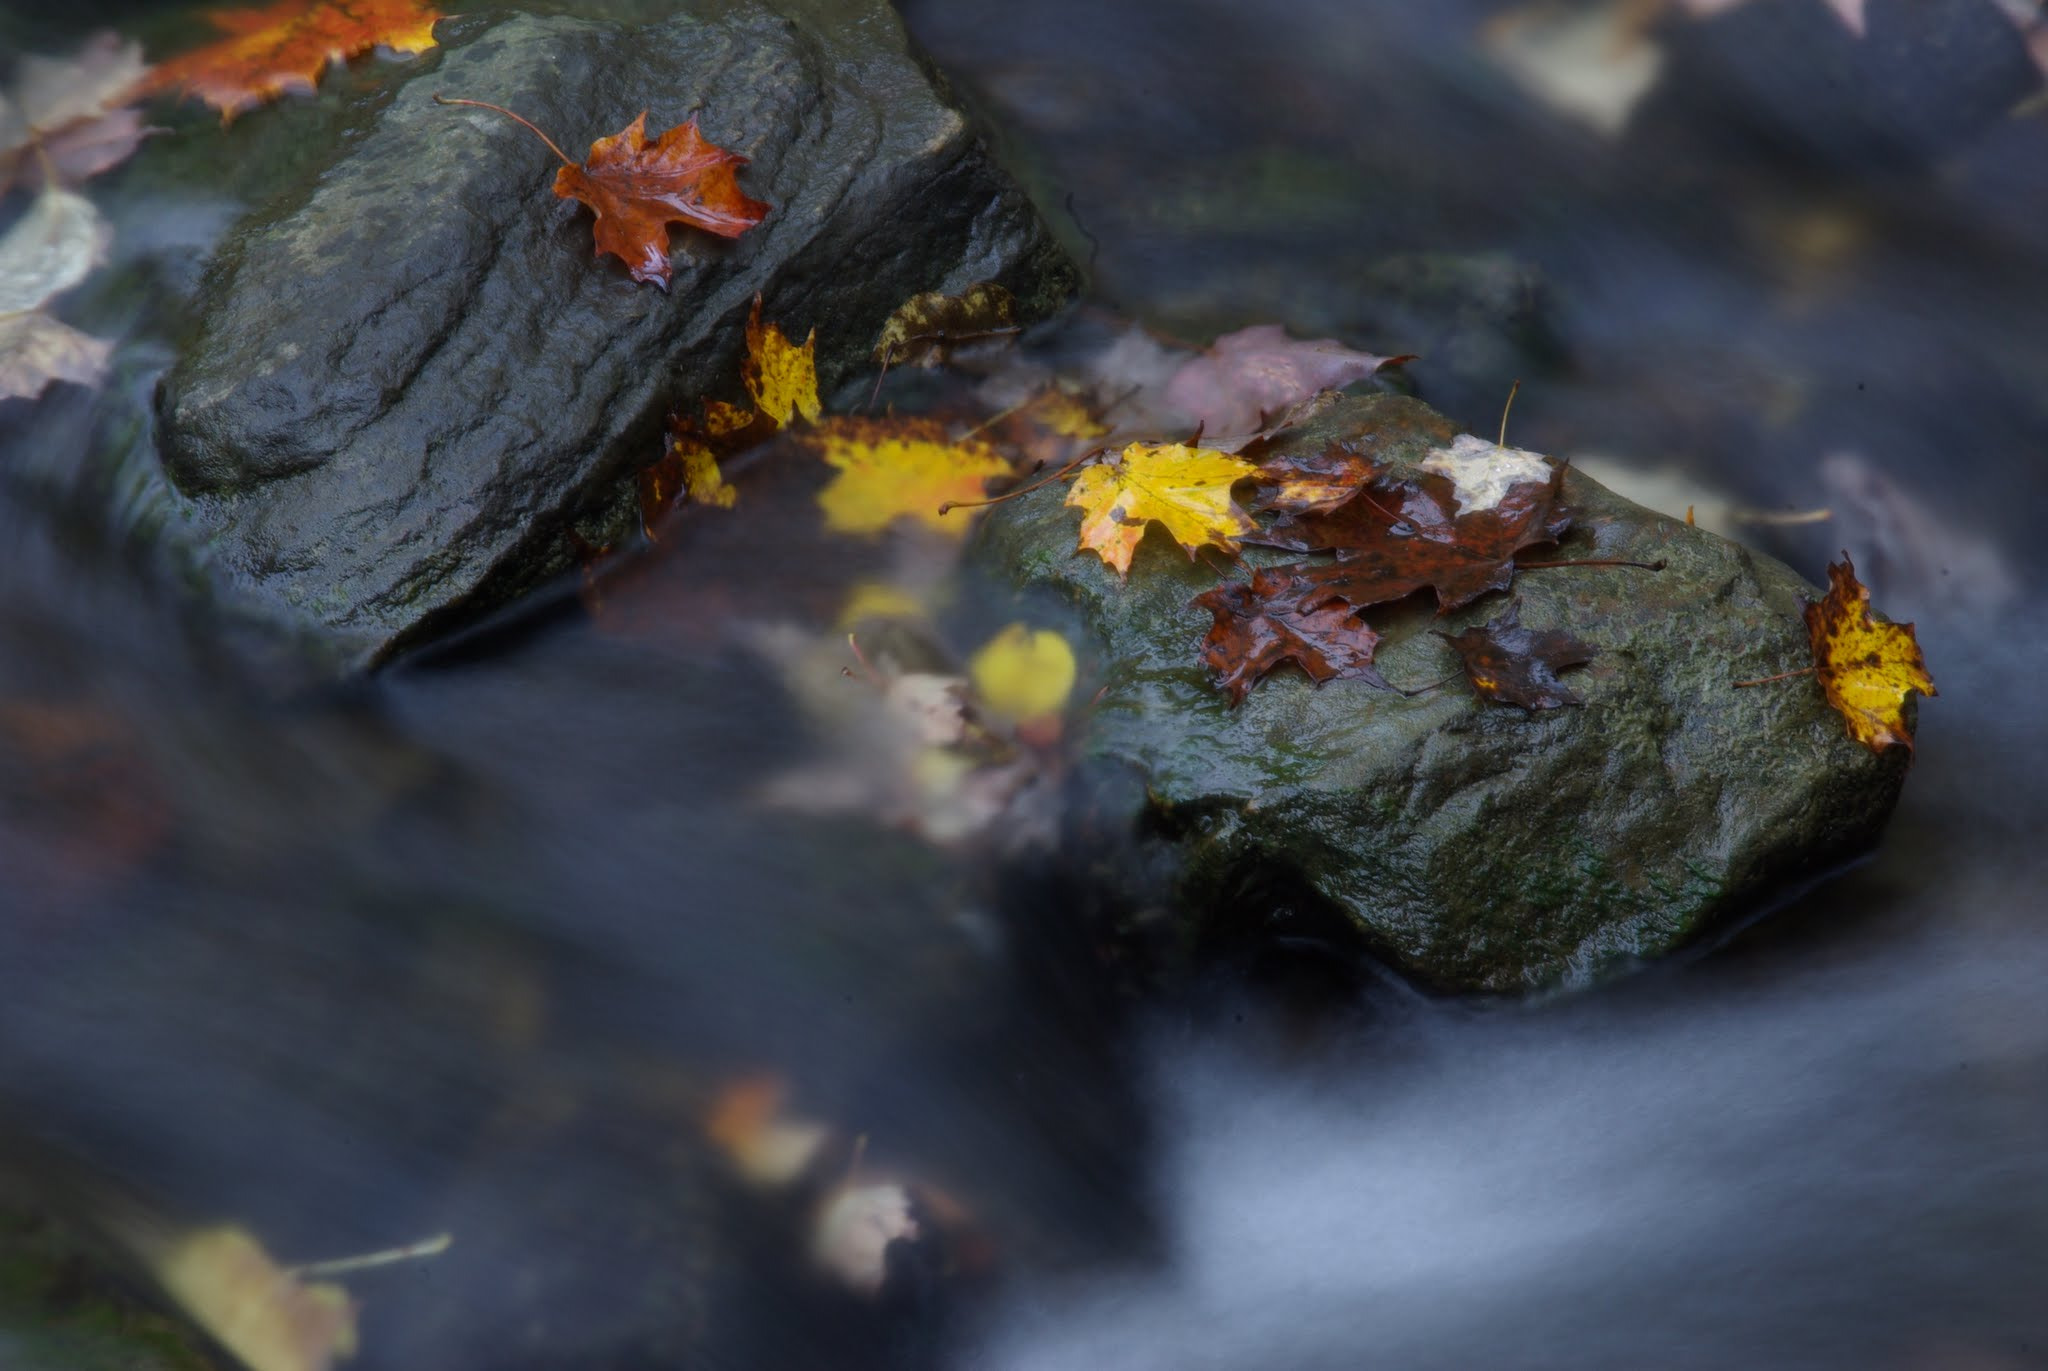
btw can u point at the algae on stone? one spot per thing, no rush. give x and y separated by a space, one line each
1475 846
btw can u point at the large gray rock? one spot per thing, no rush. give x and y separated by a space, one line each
1471 845
413 375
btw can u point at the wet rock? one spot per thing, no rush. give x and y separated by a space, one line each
1476 846
412 375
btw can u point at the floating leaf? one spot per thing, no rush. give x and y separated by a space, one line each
1022 674
50 249
1183 488
1513 665
263 1314
287 46
1866 668
925 328
1246 376
893 469
1263 623
67 115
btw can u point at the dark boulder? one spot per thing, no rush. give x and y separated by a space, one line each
413 377
1475 846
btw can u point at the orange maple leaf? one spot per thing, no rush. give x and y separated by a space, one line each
638 189
286 46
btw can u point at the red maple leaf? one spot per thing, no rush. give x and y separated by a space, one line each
637 189
1270 620
1399 535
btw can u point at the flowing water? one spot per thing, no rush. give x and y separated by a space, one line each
469 945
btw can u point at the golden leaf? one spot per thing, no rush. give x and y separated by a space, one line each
892 469
1867 668
1023 674
782 377
1186 489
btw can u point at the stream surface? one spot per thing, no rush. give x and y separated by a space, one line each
467 945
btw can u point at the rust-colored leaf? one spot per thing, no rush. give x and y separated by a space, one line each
1513 665
286 46
1867 668
1264 622
1402 534
637 189
1315 482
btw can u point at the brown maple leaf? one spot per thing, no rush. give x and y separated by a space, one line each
1315 482
286 46
1405 533
637 189
1268 620
1513 665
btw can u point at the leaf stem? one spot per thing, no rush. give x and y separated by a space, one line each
1781 676
430 1247
1022 490
441 99
1513 391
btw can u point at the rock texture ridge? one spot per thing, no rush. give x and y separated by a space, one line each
1474 846
413 375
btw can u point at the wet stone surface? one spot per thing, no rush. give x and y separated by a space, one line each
411 375
1475 846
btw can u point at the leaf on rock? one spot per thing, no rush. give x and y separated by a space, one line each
1402 534
1245 376
262 1313
1315 482
891 469
71 111
782 377
287 46
637 189
1185 489
1264 622
923 330
1866 668
1513 665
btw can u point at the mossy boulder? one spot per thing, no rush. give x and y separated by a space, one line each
1476 846
412 383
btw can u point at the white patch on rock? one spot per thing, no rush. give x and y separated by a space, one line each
1482 473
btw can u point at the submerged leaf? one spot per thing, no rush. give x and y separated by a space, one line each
1866 668
1022 674
1246 376
892 469
1513 665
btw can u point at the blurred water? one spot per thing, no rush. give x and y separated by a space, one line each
468 945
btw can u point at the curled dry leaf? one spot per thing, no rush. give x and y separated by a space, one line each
637 189
68 115
923 330
1513 665
900 469
263 1314
1185 489
1866 668
287 46
1263 623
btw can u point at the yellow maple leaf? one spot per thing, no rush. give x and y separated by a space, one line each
702 480
1866 668
1187 489
782 377
892 469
